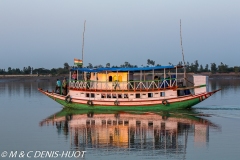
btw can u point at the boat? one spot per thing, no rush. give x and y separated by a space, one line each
131 129
137 88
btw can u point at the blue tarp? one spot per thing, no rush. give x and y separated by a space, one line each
123 69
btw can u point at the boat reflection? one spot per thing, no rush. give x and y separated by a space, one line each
131 130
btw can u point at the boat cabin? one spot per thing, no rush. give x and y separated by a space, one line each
145 78
132 83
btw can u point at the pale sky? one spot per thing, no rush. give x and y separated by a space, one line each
48 33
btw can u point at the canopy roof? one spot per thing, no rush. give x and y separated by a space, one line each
135 69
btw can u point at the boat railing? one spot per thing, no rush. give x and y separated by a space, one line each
125 85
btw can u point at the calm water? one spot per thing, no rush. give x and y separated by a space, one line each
31 123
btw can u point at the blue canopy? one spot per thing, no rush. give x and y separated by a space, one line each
135 69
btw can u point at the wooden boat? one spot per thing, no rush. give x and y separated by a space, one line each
146 88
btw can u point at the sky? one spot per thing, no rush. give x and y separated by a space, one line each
48 33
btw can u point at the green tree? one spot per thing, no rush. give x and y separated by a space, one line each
213 68
53 71
222 68
236 69
196 65
9 70
126 64
201 68
192 67
90 65
206 68
150 62
188 67
108 65
98 66
66 66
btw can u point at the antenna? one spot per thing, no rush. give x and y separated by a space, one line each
184 64
83 42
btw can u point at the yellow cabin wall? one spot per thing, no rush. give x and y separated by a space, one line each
121 76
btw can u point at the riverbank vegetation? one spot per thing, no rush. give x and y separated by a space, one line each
193 67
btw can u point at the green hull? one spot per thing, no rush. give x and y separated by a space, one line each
171 106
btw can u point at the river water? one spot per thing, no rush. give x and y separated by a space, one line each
33 126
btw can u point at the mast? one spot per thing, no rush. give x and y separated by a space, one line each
184 64
83 73
83 42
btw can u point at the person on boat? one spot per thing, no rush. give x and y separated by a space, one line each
156 79
74 76
116 84
64 86
58 86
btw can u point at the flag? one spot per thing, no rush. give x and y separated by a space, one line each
77 62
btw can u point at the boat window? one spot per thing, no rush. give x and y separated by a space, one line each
180 93
119 95
109 95
150 95
92 95
125 95
103 96
87 94
162 94
114 96
110 78
137 95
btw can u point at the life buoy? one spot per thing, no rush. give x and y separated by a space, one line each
90 103
165 102
116 103
68 99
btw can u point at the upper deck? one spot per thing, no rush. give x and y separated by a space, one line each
125 79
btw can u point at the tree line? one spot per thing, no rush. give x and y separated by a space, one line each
193 67
31 70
